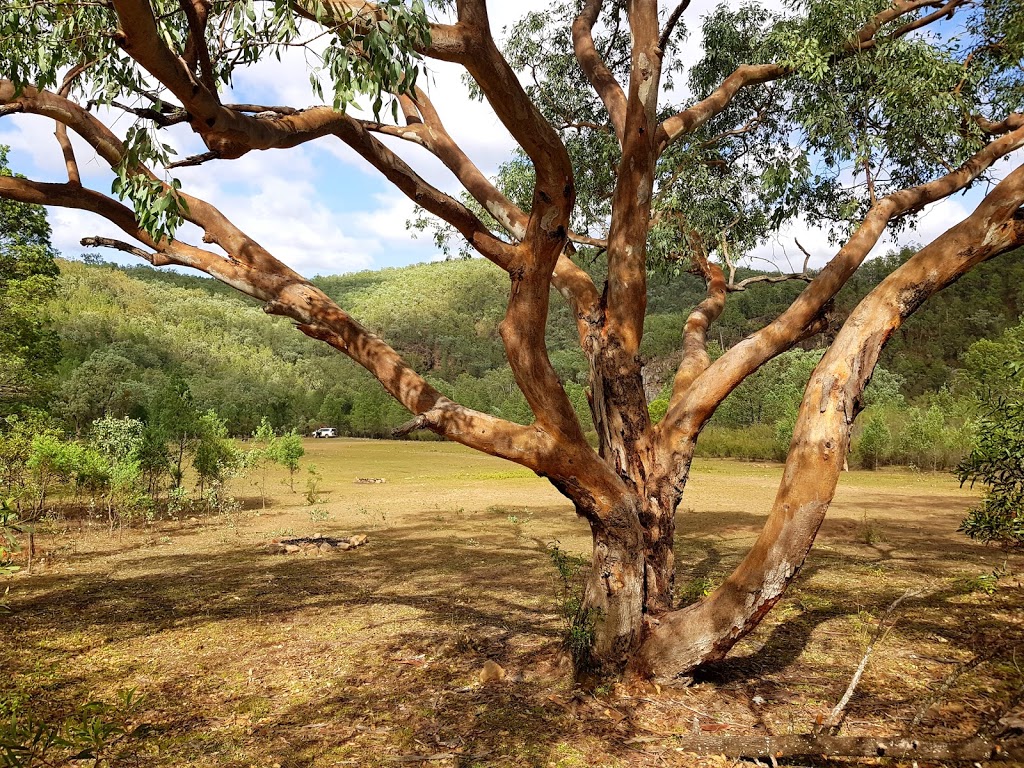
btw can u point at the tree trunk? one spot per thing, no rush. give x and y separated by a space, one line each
613 600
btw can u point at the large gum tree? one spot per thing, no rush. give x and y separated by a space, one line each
854 114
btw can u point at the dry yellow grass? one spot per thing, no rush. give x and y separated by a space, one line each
250 659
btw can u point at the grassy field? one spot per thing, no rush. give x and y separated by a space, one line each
371 657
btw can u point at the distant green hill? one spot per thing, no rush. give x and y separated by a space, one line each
126 332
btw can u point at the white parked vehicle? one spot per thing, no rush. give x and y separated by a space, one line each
326 432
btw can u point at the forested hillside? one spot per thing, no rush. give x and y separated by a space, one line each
127 335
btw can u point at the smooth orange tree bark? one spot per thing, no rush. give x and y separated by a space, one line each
629 487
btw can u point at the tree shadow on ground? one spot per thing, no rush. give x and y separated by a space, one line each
423 612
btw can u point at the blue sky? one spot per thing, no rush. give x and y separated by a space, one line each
320 208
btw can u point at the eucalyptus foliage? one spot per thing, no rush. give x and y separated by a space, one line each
54 44
819 145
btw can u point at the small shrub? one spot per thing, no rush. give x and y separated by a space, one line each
986 583
695 590
100 733
518 522
178 502
868 531
318 515
579 621
313 478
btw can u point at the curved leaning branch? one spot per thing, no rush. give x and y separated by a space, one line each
706 630
284 292
597 72
694 403
252 270
530 265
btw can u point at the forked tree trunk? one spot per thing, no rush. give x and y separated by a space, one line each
632 577
706 631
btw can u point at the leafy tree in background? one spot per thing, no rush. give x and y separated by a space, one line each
104 385
28 350
119 442
174 421
260 455
875 443
214 455
854 115
287 451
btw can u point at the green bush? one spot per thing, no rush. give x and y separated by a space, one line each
997 462
754 442
102 734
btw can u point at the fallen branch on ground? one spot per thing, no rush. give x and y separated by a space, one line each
835 718
849 746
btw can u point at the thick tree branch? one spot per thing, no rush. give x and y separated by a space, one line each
446 42
156 259
70 162
429 131
618 403
822 434
287 293
597 72
231 133
197 53
346 128
670 24
695 334
555 193
692 118
1011 123
634 185
544 240
685 420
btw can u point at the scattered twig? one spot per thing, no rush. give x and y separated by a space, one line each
434 758
833 722
806 253
950 680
